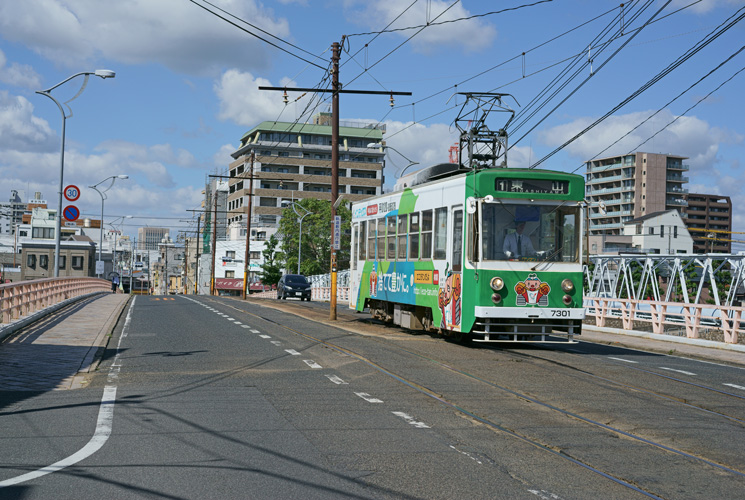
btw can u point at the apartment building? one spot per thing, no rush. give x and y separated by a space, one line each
709 216
148 238
622 188
292 161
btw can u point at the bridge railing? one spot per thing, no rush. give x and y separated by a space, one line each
23 298
694 321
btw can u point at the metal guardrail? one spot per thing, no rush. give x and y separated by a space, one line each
24 298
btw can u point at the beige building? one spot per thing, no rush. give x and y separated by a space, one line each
292 161
621 188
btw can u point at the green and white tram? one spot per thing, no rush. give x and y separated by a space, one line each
491 255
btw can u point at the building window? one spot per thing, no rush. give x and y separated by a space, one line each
62 261
44 261
230 274
77 262
230 254
31 261
651 230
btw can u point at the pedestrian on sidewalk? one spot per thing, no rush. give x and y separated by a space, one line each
114 283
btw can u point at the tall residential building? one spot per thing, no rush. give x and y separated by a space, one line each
621 188
149 237
11 213
709 216
293 161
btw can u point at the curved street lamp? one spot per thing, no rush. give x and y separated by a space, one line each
300 231
103 73
113 179
385 146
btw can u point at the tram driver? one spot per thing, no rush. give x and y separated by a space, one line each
517 244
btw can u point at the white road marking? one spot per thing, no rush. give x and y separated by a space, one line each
621 359
255 331
292 351
368 398
545 495
736 386
312 363
336 380
265 336
237 322
230 319
468 455
104 423
276 342
677 371
410 420
246 326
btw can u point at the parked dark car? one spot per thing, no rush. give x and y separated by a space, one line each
293 285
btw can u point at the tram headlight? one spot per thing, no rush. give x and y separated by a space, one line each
567 300
496 283
567 286
496 298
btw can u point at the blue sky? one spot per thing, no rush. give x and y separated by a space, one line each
186 87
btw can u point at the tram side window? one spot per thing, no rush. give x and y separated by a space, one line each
414 236
457 240
362 234
402 234
441 227
381 239
390 238
355 246
371 240
426 234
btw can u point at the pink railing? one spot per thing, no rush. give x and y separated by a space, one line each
668 316
317 293
26 297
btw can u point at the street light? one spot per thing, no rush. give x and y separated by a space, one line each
385 146
103 73
114 227
300 232
113 179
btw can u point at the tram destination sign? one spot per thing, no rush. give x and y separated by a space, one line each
538 186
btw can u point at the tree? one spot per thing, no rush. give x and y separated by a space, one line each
316 239
271 270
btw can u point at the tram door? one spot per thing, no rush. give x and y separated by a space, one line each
451 295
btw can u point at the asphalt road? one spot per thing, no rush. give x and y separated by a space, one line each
206 397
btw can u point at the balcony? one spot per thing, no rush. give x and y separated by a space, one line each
679 166
675 189
676 202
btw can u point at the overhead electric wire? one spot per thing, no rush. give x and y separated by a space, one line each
709 38
386 30
257 36
576 89
667 104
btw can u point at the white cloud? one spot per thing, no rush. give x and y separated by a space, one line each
20 129
176 33
242 102
19 75
470 35
222 158
704 6
688 136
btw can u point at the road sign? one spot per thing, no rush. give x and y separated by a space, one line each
337 232
72 192
71 213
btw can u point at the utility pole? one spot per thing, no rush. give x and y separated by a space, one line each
214 243
196 267
336 89
247 260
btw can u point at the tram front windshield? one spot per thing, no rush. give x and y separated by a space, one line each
530 232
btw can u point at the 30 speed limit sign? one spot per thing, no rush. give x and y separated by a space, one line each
72 192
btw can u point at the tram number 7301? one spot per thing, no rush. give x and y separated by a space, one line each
560 312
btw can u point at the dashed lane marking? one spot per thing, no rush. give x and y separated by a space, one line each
678 371
368 398
736 386
336 380
292 352
410 420
311 363
621 359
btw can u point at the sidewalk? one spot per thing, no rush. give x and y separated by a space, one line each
57 351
